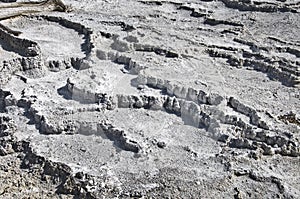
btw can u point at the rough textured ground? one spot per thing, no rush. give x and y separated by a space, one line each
150 99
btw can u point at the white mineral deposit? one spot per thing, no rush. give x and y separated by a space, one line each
149 99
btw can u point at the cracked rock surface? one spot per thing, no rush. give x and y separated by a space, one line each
150 99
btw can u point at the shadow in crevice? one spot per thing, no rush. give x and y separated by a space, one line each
3 95
23 47
5 46
82 98
65 93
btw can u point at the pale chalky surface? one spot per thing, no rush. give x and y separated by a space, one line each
150 99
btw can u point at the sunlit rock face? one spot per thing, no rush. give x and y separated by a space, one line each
149 99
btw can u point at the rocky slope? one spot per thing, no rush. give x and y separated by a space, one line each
149 99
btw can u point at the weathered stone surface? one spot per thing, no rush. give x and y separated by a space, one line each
149 99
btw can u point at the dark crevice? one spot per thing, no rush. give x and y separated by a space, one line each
214 22
123 25
257 6
3 95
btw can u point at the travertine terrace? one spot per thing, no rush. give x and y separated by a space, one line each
150 99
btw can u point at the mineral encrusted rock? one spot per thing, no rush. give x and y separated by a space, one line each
149 99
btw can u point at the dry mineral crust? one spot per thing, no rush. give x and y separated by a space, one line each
150 99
